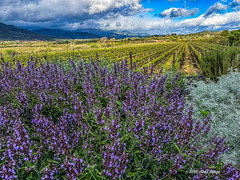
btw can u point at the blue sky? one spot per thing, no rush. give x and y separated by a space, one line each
146 16
160 5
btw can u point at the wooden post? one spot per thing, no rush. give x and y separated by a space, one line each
174 55
130 54
2 58
149 59
97 56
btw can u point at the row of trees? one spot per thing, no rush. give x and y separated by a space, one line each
232 36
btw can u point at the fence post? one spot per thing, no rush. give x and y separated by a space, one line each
130 54
174 56
97 56
2 58
149 59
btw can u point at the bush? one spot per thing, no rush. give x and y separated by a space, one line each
93 123
216 62
234 37
11 52
222 99
93 45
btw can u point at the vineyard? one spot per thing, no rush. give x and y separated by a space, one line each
184 55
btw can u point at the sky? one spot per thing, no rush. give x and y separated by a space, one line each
140 16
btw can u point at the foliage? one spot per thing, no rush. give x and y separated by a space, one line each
216 62
10 52
222 100
93 123
170 74
225 33
234 37
157 53
93 45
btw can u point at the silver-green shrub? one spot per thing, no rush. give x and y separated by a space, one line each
222 100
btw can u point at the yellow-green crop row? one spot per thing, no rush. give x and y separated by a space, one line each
160 57
198 47
159 51
197 53
180 56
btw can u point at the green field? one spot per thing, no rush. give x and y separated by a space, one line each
161 53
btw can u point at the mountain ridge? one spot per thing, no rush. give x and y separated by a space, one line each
62 34
11 32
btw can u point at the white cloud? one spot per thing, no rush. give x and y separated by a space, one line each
98 6
216 8
165 26
178 12
114 14
52 10
235 4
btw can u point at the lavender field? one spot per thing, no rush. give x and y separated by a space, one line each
89 121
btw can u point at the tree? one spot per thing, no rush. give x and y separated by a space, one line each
234 38
103 40
225 33
112 41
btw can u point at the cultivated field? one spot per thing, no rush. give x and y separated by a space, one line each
160 54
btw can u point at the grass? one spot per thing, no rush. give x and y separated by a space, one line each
216 62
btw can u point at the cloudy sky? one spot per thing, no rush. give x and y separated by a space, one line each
147 16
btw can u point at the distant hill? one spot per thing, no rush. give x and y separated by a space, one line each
113 33
202 33
61 34
10 32
87 34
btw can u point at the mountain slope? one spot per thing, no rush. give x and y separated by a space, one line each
113 33
87 33
10 32
61 34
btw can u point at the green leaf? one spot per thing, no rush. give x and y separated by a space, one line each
205 113
136 161
104 142
119 103
3 162
29 164
187 156
214 109
55 162
177 147
124 138
131 174
99 157
44 168
33 147
30 176
137 151
142 173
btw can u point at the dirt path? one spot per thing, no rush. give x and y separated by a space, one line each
189 64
